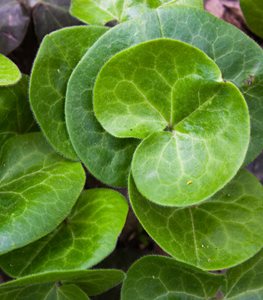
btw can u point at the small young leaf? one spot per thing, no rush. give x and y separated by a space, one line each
15 113
58 55
92 282
145 89
253 13
87 236
201 235
103 11
9 72
156 277
37 190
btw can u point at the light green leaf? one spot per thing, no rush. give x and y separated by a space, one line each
147 88
58 55
143 89
238 59
210 235
42 286
156 277
15 113
103 11
87 236
37 190
253 13
9 72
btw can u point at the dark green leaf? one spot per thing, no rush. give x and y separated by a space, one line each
42 286
9 72
37 190
253 12
153 277
14 20
87 236
57 57
103 11
209 236
15 113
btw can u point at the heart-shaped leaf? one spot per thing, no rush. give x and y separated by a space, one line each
103 11
87 236
156 277
240 60
55 285
218 228
148 88
15 113
14 21
253 13
37 190
9 72
58 55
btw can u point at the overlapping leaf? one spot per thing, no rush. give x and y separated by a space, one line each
9 72
211 235
58 55
103 11
156 277
253 12
87 236
15 113
147 89
37 190
239 59
61 285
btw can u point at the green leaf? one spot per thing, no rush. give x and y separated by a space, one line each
239 59
58 55
253 13
145 89
103 11
87 236
156 277
42 286
15 113
210 235
9 72
37 190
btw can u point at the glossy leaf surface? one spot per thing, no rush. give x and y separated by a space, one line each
103 11
149 88
253 12
240 60
9 72
156 277
15 114
87 236
42 286
37 190
210 235
57 57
